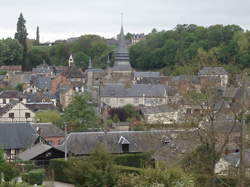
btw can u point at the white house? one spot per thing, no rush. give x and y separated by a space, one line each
16 112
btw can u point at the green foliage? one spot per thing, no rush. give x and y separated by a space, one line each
9 171
199 161
19 87
187 48
34 176
81 112
157 177
96 170
133 160
11 52
51 116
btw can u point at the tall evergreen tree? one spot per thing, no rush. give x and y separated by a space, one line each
21 35
37 35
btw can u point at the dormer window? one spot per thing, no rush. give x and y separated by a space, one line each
124 143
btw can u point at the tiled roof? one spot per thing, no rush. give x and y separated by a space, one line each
8 107
11 68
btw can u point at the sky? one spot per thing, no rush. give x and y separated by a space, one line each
62 19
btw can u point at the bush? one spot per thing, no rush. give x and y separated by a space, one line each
128 170
133 160
34 176
9 172
57 170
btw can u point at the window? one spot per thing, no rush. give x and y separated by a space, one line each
4 101
11 115
27 115
125 148
121 100
136 100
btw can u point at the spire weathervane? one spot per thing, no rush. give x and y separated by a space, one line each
122 19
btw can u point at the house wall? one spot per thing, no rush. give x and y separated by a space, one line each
162 118
116 102
19 114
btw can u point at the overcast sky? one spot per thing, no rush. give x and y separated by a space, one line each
61 19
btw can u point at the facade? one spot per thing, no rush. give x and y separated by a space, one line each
16 112
164 114
117 95
216 72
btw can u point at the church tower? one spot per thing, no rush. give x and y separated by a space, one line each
71 60
122 64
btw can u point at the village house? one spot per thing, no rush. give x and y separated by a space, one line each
229 164
117 95
10 95
15 137
168 146
51 133
146 78
15 111
215 72
162 114
43 69
39 83
15 78
13 68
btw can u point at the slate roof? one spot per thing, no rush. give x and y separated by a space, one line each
39 97
136 90
34 151
42 82
12 94
73 72
212 71
40 106
17 135
147 74
48 130
157 109
83 143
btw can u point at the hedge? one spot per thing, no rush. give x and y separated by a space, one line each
138 160
128 170
57 170
35 176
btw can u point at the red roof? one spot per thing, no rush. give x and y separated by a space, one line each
11 68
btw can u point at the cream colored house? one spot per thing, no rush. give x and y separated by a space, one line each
117 95
16 112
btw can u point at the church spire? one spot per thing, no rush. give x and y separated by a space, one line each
90 63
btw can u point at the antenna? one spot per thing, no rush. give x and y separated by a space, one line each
122 19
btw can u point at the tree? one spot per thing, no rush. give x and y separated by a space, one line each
51 116
37 36
82 113
11 52
21 35
216 126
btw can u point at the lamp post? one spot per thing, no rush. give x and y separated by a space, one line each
65 142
